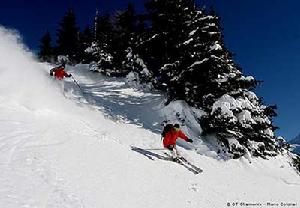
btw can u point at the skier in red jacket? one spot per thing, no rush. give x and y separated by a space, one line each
170 138
59 72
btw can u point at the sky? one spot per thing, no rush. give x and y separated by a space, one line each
264 35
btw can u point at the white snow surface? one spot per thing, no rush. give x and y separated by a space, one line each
60 147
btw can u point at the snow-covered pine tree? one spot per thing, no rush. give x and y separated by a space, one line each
102 60
46 52
296 162
125 33
167 30
211 80
138 72
100 50
67 36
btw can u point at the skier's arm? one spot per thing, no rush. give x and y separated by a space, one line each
66 74
182 136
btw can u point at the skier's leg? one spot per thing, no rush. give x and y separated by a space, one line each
176 152
173 151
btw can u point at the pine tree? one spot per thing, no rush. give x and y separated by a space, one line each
210 79
141 27
296 162
46 50
100 50
207 62
136 66
67 36
167 19
85 41
127 27
103 31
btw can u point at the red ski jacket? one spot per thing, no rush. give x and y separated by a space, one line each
60 73
171 137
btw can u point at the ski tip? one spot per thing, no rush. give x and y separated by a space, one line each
198 172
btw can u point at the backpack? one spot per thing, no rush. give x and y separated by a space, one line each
167 128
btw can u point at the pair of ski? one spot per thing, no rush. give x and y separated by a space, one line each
150 154
185 163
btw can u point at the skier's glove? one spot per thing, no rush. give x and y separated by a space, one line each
69 75
189 140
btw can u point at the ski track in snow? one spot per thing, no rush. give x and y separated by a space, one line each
63 148
118 100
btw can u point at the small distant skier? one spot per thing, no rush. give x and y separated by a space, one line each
59 72
170 134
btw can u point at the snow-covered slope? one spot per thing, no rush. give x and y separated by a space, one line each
60 147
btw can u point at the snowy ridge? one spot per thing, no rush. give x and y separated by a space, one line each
59 147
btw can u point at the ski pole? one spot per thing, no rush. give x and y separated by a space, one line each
76 83
84 95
